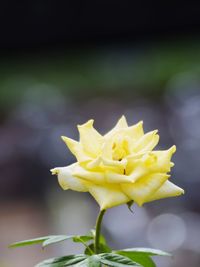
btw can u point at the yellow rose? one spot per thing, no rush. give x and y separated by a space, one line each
119 166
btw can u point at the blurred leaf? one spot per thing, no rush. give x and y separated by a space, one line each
115 260
92 261
82 238
56 239
140 258
62 261
30 242
48 240
147 251
103 249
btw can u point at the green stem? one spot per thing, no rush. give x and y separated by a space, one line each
98 231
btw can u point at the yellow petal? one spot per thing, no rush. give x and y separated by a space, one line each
90 139
106 195
135 131
143 188
67 180
92 176
168 189
76 149
147 142
115 178
163 160
122 123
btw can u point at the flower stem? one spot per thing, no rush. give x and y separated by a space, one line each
98 231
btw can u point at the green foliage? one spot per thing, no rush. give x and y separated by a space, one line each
115 260
62 261
133 257
145 251
48 240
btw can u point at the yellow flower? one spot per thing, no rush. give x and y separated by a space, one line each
119 166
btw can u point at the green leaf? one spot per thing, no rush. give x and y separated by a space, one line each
82 238
92 261
115 260
30 242
56 239
140 258
48 240
62 261
147 251
102 248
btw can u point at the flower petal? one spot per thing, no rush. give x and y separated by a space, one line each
122 123
92 176
147 142
135 131
143 188
106 195
67 180
90 139
76 149
163 160
168 189
115 178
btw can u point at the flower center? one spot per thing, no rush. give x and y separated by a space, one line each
120 149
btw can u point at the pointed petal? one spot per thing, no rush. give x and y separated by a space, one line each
67 180
76 149
90 139
143 188
147 142
168 189
122 123
163 160
135 131
107 196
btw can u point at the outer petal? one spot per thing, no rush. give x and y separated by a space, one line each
153 162
122 123
135 131
141 190
168 189
76 149
147 142
92 176
90 139
106 195
163 159
67 180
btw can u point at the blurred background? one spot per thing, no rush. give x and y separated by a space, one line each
62 63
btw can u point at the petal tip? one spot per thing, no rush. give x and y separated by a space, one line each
87 124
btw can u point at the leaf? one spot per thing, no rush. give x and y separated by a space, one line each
115 260
62 261
102 247
140 258
29 242
55 239
147 251
129 204
48 240
82 238
92 261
